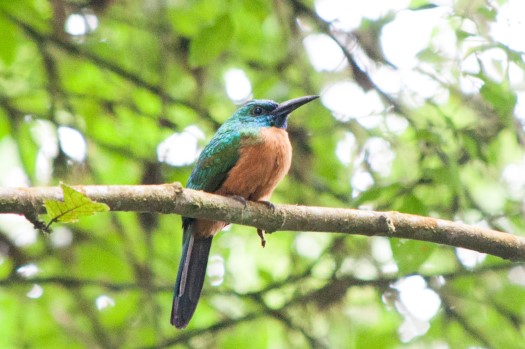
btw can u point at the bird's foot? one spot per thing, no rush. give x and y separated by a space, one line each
268 204
239 199
261 234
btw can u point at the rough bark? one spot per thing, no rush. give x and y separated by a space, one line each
173 198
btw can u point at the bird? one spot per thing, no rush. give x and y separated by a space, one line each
246 158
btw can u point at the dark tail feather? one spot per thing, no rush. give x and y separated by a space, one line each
192 270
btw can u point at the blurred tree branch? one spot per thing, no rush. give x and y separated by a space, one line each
173 198
43 39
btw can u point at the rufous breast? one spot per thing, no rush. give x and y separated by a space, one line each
263 161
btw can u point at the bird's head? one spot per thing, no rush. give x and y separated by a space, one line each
266 113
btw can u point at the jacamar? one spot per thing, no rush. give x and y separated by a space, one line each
246 159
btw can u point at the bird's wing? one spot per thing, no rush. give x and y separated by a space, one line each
215 161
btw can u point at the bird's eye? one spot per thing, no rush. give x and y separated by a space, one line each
257 111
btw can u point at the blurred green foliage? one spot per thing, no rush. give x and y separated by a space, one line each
147 69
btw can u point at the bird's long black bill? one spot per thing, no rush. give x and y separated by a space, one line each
287 107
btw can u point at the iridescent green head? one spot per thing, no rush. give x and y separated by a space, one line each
266 113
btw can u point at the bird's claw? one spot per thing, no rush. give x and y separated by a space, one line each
268 204
239 199
261 234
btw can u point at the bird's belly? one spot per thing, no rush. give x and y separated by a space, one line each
261 166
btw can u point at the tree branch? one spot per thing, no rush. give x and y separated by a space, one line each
173 198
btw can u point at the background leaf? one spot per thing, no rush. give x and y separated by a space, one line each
211 42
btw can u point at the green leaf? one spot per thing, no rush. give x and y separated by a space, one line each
211 42
417 5
500 96
379 193
74 206
410 203
410 254
9 43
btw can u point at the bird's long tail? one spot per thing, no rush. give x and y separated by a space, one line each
190 278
